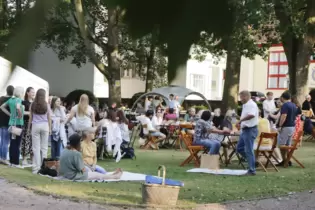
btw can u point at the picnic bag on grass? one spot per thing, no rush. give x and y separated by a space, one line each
50 167
160 194
210 161
128 153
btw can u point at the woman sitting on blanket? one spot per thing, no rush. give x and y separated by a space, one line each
89 151
206 135
72 164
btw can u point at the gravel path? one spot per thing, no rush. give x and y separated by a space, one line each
13 197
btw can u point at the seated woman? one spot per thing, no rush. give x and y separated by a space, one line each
157 121
206 135
123 126
191 116
217 118
171 115
89 151
72 165
112 136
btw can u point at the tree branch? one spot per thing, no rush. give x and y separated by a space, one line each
85 33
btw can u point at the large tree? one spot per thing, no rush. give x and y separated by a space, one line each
11 13
253 32
88 31
179 24
148 58
297 26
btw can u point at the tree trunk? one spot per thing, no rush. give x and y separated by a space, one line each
178 55
150 71
298 54
3 13
114 82
297 50
232 78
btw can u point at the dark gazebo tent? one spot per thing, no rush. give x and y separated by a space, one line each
179 91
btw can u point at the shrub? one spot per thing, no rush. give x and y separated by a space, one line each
135 97
75 95
200 107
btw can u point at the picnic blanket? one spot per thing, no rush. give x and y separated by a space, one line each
126 176
218 172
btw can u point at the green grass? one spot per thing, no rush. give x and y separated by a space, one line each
199 188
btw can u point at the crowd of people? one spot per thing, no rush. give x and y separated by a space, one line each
72 131
29 121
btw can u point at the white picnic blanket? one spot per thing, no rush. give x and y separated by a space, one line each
126 176
218 172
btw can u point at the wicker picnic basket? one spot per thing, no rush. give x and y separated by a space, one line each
156 194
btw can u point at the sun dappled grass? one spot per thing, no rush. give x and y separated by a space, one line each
199 188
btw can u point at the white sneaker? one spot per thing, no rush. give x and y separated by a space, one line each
16 166
24 162
5 162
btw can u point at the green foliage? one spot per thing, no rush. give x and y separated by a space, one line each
135 97
253 25
200 107
75 95
179 24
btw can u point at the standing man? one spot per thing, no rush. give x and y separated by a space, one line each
286 124
248 124
269 105
4 125
171 102
177 106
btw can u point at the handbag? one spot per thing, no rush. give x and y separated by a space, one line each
13 129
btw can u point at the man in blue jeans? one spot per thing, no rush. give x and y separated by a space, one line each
248 124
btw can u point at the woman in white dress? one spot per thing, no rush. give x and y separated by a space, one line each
84 114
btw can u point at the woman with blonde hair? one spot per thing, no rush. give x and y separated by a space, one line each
16 114
84 114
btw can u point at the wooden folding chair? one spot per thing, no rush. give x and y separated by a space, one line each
307 113
150 140
291 149
193 150
267 152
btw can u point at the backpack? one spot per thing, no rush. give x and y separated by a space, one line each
128 153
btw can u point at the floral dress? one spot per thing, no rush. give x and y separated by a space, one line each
26 147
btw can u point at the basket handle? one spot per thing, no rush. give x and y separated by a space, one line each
164 173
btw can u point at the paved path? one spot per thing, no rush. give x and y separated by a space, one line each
13 197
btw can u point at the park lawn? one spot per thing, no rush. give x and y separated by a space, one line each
199 188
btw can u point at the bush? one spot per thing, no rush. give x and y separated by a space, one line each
200 107
75 95
135 97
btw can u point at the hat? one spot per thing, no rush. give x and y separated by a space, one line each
74 140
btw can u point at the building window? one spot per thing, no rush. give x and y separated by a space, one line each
213 85
277 70
197 82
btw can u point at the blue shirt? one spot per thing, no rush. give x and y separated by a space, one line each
290 110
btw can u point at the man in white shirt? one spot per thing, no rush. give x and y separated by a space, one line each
269 105
177 106
147 120
171 102
148 103
249 131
